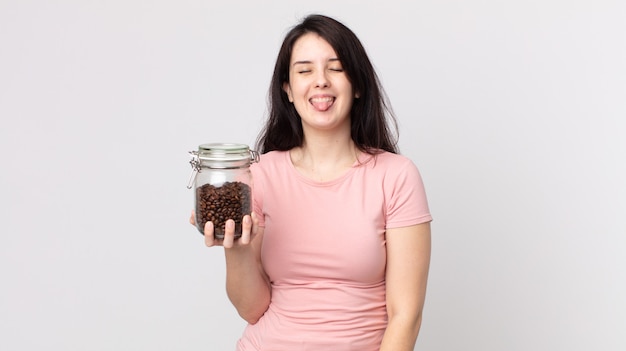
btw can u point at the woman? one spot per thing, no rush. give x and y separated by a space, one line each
336 253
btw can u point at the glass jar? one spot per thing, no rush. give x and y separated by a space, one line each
222 184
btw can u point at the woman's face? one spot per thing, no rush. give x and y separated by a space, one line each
318 87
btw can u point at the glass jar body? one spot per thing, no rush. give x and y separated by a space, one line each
223 194
222 187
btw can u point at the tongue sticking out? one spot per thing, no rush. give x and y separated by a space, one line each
322 104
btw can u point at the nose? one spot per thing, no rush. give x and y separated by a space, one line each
321 80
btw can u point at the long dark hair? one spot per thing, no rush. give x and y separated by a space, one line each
373 124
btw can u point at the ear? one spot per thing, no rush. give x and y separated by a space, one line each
287 90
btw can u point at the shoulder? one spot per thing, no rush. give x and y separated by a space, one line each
393 171
273 155
389 158
388 163
270 162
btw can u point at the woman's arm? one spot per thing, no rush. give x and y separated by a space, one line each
247 285
408 261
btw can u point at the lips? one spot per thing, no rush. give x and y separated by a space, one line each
322 103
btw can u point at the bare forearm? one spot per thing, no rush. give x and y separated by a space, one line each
247 286
408 259
401 333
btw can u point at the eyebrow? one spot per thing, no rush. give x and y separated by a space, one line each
305 62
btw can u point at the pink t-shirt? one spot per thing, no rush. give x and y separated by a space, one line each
324 251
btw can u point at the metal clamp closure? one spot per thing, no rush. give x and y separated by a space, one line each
254 156
195 168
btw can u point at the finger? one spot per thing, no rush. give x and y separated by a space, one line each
229 233
255 222
192 218
209 239
246 227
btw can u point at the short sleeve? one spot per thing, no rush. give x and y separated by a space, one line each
405 196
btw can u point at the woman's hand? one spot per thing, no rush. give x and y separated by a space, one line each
249 225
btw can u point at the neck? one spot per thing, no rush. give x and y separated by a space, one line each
324 158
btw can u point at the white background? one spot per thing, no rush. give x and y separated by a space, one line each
514 111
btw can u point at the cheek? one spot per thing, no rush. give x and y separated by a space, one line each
299 93
297 86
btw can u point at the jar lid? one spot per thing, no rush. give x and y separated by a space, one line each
223 152
220 156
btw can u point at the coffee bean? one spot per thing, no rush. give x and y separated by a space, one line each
231 200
